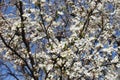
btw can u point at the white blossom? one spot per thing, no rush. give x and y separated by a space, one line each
60 13
49 67
26 15
49 19
43 0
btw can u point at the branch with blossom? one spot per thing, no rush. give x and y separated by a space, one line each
61 39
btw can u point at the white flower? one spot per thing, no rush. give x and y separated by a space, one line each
95 11
113 13
41 65
83 14
26 15
93 4
49 19
34 1
49 66
107 49
13 28
32 79
91 38
37 38
60 13
74 28
93 17
99 45
118 65
85 71
55 23
68 72
31 10
59 61
100 6
68 64
15 25
43 1
66 53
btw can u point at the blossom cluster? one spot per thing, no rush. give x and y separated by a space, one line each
62 39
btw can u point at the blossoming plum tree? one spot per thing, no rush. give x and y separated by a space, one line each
61 39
